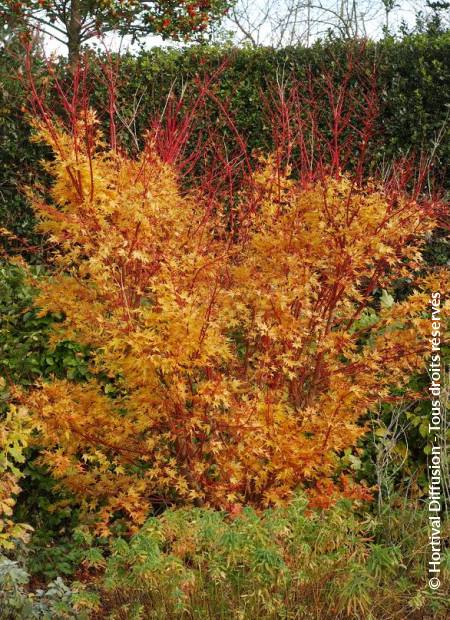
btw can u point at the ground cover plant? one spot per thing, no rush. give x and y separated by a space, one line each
199 563
202 357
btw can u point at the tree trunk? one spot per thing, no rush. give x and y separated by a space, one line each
74 34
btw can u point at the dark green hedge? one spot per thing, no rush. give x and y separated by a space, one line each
413 84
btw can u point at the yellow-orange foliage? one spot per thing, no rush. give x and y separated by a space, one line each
227 368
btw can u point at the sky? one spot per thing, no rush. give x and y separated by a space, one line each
404 10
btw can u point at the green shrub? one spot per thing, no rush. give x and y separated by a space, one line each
25 353
25 356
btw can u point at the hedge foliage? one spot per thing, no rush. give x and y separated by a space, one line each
413 76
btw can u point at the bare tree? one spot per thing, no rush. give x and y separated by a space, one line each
280 23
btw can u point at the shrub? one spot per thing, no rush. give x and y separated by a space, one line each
56 602
25 353
31 495
233 355
15 431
